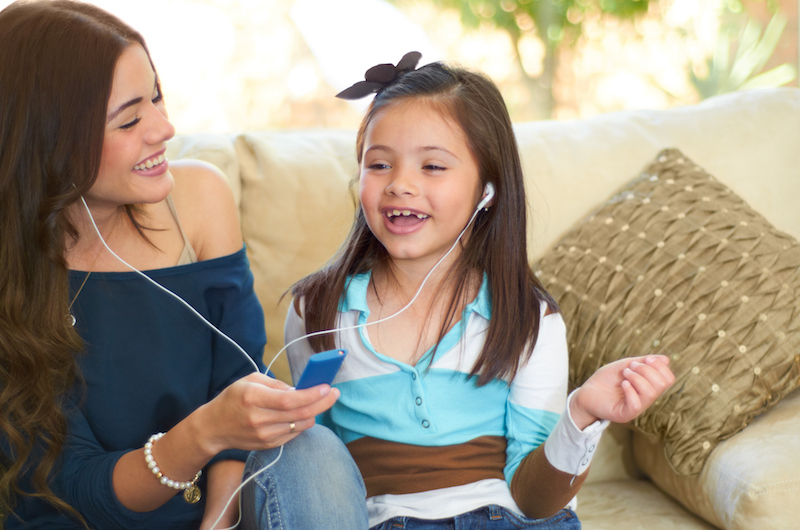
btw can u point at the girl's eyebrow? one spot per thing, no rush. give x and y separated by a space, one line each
438 148
379 147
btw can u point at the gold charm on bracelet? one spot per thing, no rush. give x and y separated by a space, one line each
192 494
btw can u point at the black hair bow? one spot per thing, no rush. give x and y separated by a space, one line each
381 76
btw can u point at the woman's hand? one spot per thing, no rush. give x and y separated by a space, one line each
259 412
253 413
621 390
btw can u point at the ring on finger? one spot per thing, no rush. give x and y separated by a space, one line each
292 427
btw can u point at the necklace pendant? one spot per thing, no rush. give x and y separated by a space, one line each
192 494
71 319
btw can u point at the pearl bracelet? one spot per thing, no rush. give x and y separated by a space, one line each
151 464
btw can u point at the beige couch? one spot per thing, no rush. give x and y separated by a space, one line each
296 204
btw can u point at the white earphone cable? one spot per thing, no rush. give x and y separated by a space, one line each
243 352
173 295
413 299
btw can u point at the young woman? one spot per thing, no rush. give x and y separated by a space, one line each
454 402
114 396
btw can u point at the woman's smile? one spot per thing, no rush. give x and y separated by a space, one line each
155 165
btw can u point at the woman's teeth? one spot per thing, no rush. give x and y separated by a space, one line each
150 164
405 213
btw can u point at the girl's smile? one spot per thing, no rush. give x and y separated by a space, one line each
419 181
404 221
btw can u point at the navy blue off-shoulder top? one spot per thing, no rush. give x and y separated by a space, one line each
148 363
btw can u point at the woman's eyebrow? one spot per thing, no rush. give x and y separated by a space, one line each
122 107
127 104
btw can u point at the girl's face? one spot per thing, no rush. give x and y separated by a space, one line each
133 169
419 181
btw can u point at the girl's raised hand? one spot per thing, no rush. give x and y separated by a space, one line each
621 390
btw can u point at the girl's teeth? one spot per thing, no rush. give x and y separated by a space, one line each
407 213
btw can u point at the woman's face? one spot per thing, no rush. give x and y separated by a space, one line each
133 169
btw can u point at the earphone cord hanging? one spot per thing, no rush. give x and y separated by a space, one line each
416 295
243 352
173 295
419 290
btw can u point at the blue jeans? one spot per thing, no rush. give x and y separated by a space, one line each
315 485
490 517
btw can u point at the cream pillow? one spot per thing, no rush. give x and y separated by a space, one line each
677 264
297 208
750 481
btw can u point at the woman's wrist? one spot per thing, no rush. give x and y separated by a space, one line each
199 424
177 455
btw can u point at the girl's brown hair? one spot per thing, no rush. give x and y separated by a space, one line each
57 63
497 244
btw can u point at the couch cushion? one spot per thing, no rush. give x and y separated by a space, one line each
748 139
297 209
677 264
637 504
216 149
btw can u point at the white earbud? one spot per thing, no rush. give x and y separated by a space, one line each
488 195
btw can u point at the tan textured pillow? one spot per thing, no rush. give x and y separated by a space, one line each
677 264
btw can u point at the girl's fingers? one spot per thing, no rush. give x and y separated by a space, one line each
651 359
661 363
656 373
646 391
632 401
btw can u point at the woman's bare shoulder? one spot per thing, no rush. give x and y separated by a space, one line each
207 209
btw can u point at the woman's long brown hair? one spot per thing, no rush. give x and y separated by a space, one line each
57 63
497 245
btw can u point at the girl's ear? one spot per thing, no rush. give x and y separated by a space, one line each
488 195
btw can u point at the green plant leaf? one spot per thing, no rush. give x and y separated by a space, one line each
772 35
778 76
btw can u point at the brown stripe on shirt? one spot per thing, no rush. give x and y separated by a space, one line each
396 468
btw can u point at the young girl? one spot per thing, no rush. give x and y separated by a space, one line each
455 410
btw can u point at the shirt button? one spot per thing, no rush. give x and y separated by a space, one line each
414 377
591 448
425 424
584 461
418 401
